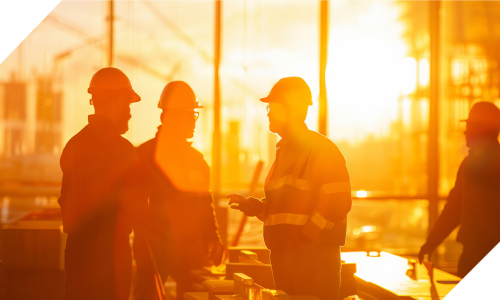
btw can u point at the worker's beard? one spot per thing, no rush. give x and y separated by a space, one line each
122 126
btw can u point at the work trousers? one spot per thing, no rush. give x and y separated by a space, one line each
98 266
310 270
472 254
173 256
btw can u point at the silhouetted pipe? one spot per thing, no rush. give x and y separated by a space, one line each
323 57
111 17
216 143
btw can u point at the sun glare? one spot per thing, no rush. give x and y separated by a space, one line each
367 71
361 194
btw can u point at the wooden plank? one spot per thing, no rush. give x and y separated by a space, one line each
196 296
228 297
249 257
262 274
220 286
262 253
200 275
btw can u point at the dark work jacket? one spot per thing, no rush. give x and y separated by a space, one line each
308 193
474 202
184 215
102 188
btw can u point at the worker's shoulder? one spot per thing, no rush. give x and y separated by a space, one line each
321 143
147 146
78 138
465 162
125 144
195 154
105 142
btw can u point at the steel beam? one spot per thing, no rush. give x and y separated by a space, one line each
216 143
323 57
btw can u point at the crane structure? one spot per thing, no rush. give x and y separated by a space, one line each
90 40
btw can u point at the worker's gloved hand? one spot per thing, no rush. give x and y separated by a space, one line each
426 249
215 251
249 206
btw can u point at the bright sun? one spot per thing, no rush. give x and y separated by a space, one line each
367 72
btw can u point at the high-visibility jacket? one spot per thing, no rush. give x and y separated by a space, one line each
312 200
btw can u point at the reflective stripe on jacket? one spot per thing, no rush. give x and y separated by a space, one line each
312 200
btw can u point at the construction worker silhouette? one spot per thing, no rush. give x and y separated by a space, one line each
180 226
308 196
474 201
101 194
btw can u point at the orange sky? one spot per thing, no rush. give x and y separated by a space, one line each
262 42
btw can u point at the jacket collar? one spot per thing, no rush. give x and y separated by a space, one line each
174 141
298 137
103 123
490 150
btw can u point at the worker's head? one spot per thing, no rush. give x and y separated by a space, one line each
112 95
483 124
179 105
288 103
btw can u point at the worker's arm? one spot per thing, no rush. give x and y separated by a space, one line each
211 228
448 220
329 176
213 241
67 200
262 215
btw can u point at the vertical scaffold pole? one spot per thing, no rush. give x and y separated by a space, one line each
433 141
111 17
216 143
323 57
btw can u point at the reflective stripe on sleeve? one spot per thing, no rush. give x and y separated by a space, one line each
300 184
319 220
335 187
323 223
286 218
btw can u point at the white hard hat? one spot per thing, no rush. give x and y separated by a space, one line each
178 95
111 80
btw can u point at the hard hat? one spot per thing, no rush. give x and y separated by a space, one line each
290 91
485 113
178 95
111 80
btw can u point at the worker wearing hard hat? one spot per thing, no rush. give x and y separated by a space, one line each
474 201
308 196
180 226
101 194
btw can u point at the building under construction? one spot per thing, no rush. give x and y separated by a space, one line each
390 82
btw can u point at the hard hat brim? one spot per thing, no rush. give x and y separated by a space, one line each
269 99
196 105
135 96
